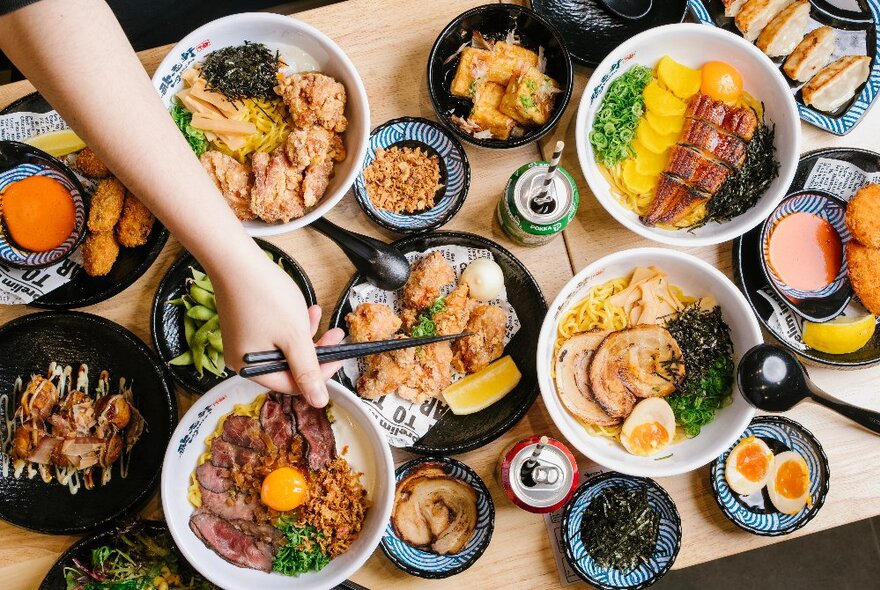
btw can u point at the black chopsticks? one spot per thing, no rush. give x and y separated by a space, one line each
272 361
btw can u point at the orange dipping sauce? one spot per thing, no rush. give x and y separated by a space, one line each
38 213
805 251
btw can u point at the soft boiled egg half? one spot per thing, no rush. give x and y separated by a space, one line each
649 428
748 466
789 483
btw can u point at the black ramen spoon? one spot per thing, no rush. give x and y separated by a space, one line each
629 9
381 264
774 380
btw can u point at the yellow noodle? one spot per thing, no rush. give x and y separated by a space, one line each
273 123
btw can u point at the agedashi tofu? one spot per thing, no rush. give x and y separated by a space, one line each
529 97
473 66
486 114
509 60
488 94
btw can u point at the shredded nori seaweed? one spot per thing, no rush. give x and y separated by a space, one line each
244 71
620 529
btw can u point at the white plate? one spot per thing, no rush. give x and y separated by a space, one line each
368 453
293 38
693 45
696 278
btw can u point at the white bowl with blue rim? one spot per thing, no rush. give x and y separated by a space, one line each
755 513
455 173
647 572
353 427
426 564
19 161
303 47
818 305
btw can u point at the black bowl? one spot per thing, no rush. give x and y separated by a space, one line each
166 321
494 21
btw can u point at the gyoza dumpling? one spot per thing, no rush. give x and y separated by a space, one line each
732 7
786 30
755 15
836 84
811 54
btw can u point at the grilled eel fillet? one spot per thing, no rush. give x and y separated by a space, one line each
713 144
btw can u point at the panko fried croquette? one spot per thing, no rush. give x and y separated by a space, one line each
89 164
106 205
863 216
99 253
864 274
135 224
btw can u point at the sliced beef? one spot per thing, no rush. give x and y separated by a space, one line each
277 425
244 432
227 506
231 543
284 399
264 532
213 478
314 427
226 454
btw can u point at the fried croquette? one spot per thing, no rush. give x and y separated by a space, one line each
106 205
99 252
90 165
864 274
135 224
863 216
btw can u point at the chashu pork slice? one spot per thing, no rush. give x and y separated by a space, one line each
786 30
811 55
573 382
836 84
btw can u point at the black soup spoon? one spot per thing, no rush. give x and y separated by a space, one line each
774 380
629 9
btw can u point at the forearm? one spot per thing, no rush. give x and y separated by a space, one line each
76 54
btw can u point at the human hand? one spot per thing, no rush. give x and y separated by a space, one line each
261 308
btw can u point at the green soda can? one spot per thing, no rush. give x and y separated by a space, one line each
535 208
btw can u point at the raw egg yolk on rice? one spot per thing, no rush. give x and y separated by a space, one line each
721 81
284 489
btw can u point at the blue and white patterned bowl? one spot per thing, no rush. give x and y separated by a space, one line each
756 513
425 564
19 161
646 574
822 304
455 173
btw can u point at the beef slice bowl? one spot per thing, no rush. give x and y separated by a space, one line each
260 490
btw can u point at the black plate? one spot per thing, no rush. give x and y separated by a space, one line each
591 32
84 290
494 21
27 346
457 434
166 321
752 280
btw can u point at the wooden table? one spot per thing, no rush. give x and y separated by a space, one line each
390 55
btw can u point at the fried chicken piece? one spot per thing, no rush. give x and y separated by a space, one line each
432 375
313 151
864 274
863 215
99 252
370 322
90 165
387 372
429 275
276 194
454 317
233 179
314 99
136 223
408 318
472 353
106 205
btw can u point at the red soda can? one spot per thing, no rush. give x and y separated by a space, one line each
538 474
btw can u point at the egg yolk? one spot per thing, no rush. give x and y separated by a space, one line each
648 437
752 463
721 81
284 489
792 479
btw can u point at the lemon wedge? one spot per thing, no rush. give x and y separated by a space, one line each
483 388
57 143
841 335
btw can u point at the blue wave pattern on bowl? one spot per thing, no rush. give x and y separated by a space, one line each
844 123
434 565
450 152
8 252
824 207
668 540
796 438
